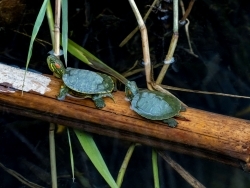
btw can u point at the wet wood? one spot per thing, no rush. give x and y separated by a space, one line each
206 134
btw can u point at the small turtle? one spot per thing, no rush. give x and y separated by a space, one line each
154 105
81 83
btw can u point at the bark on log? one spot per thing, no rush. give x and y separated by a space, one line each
217 137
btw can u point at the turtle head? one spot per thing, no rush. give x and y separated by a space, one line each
131 90
56 66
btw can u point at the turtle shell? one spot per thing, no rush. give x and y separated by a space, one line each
155 105
88 82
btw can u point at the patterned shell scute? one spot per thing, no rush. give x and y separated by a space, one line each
155 105
84 81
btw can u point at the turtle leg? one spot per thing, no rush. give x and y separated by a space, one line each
115 83
63 92
183 108
181 117
98 100
171 122
108 95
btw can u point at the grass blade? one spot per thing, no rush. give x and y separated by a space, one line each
124 165
50 18
77 51
71 156
155 169
94 155
36 28
65 29
88 58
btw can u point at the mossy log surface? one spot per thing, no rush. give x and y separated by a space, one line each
205 134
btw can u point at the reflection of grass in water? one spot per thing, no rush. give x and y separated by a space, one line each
138 173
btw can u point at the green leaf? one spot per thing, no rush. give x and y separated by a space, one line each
50 18
76 51
125 165
36 28
65 29
90 148
71 156
155 169
88 58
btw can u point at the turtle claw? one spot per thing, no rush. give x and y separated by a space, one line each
98 99
63 92
99 103
110 96
183 108
61 97
107 95
171 122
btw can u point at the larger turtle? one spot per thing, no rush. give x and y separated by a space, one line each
154 105
81 83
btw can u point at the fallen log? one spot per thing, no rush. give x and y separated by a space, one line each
209 135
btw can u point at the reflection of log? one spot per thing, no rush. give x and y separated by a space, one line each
206 134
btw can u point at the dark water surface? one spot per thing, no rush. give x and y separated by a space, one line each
220 36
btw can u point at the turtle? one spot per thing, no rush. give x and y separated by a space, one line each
81 83
154 105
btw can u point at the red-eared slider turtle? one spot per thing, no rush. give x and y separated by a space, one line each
81 83
154 105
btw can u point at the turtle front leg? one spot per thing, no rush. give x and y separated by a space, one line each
63 92
171 122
